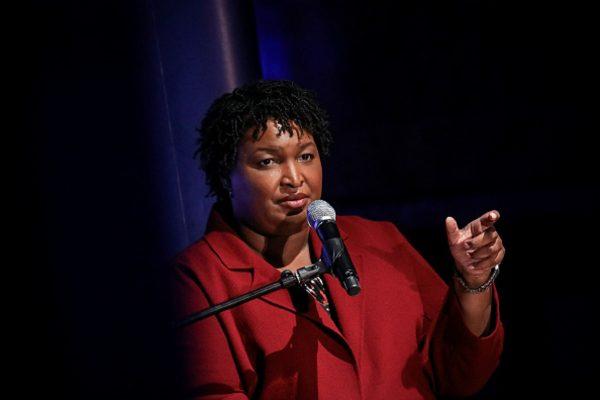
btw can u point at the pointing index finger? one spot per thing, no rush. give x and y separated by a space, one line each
492 216
484 222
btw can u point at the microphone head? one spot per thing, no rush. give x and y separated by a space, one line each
318 212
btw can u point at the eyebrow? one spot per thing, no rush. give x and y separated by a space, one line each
278 148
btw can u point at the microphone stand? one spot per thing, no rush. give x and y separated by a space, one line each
287 279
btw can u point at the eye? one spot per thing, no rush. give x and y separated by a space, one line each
266 162
307 157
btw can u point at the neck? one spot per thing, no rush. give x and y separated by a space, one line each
280 251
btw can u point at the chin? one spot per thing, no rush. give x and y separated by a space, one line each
293 213
293 222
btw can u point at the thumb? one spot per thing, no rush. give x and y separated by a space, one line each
452 230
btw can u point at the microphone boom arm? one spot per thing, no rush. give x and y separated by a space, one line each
286 280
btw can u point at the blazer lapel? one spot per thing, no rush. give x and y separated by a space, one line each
264 273
349 309
236 255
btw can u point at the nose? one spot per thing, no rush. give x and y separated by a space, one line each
292 175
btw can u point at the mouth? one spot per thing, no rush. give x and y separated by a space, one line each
295 204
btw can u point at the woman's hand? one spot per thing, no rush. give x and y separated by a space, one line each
476 248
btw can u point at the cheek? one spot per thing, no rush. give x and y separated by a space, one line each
315 176
252 187
317 185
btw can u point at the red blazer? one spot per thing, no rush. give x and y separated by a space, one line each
402 337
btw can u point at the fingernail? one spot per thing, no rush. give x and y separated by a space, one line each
467 245
470 252
493 215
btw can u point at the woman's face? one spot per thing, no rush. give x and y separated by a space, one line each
274 180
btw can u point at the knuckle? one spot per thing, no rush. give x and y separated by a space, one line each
483 265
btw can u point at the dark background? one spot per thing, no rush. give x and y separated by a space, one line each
438 108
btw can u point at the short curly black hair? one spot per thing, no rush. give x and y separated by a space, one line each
231 115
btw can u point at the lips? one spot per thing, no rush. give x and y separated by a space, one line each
298 200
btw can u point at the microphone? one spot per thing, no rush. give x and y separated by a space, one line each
321 218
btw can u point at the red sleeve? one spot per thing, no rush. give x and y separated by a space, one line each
207 366
458 362
463 362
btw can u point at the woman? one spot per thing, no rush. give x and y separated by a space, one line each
406 335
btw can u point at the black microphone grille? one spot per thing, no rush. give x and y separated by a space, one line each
318 212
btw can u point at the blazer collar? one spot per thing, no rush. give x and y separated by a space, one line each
233 252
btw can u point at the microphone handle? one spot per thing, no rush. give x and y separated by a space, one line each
337 257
